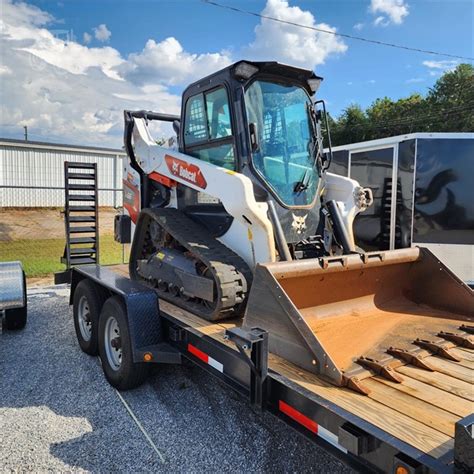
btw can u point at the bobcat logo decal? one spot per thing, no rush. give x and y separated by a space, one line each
299 223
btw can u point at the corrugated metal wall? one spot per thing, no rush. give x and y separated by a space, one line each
33 176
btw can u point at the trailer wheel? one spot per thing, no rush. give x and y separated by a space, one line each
15 318
115 347
87 304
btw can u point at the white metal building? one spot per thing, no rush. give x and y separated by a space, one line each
32 173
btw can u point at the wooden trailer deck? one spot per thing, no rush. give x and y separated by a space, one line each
421 410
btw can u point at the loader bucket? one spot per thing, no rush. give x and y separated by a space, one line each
324 314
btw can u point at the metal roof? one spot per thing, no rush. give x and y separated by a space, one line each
60 146
399 138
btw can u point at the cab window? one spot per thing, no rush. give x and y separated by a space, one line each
208 128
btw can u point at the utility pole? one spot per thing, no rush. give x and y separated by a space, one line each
26 132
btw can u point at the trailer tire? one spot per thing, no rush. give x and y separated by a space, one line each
87 304
115 348
15 318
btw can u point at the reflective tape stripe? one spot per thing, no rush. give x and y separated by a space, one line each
197 353
205 358
217 365
298 417
310 424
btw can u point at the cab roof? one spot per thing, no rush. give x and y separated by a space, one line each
267 68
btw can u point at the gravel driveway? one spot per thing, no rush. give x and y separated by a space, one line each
57 412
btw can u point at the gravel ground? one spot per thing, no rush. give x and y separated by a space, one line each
58 413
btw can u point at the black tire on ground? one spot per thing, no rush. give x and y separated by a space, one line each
95 298
129 374
15 318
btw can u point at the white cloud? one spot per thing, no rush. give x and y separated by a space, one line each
169 63
65 91
437 68
5 70
444 65
414 80
358 26
71 92
381 21
392 11
290 44
102 33
23 14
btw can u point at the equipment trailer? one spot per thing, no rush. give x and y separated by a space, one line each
421 425
244 261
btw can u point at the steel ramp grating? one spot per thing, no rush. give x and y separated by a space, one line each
81 214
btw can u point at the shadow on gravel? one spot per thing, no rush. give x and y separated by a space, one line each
58 413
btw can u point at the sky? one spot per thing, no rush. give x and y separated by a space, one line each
69 68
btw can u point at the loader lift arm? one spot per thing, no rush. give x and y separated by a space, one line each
147 115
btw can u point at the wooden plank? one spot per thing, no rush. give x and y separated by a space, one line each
442 381
427 414
411 431
432 395
206 327
466 363
121 269
462 353
417 434
451 368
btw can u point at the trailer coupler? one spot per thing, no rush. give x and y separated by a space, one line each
255 342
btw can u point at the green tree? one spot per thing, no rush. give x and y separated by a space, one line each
448 107
350 127
386 117
451 101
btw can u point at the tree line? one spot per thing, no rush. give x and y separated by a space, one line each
448 106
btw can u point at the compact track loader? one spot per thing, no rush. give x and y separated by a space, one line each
238 216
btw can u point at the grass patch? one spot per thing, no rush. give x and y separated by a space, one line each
41 257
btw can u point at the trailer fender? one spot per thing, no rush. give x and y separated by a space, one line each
143 314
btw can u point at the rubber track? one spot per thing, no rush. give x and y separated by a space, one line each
231 274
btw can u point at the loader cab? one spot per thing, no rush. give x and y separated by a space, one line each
256 118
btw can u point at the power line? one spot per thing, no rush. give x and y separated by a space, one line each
329 32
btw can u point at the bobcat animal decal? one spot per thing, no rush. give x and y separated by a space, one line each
299 223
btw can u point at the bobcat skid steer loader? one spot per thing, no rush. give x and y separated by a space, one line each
240 218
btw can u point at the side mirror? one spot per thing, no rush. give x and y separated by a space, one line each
253 137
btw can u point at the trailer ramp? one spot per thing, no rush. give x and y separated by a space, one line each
359 316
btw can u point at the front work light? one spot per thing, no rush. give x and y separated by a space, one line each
314 83
245 70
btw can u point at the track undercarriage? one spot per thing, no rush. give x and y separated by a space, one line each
187 266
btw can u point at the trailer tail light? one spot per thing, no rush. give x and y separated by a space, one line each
205 358
401 470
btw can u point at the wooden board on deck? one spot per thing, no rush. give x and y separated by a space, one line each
420 411
439 380
430 435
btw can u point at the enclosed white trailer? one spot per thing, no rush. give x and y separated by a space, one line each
432 202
